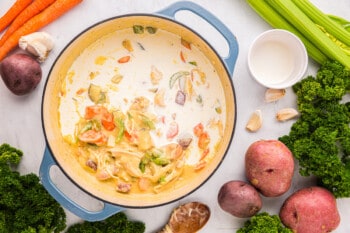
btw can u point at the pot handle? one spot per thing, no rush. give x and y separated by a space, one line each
65 201
230 60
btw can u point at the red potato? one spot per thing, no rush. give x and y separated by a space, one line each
310 210
21 73
239 199
269 167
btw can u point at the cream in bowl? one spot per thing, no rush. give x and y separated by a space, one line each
277 59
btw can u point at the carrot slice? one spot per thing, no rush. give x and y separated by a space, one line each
33 9
198 129
182 57
51 13
13 12
186 44
124 59
203 140
107 121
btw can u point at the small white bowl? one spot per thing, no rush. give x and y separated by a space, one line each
277 59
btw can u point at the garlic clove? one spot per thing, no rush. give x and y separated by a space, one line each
255 121
286 114
272 95
38 44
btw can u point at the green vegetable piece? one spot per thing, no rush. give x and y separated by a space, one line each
194 63
9 155
96 94
320 138
117 223
151 30
138 29
91 124
162 180
161 161
341 21
148 123
176 76
320 18
263 222
120 130
25 205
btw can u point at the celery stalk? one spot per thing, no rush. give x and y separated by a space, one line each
342 22
320 18
310 30
277 21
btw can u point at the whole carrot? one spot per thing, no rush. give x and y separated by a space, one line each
33 9
51 13
12 13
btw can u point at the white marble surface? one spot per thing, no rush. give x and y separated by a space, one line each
20 117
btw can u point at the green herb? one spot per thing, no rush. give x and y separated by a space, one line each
25 205
263 222
320 138
117 223
138 29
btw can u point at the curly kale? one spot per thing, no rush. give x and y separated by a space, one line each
320 138
117 223
263 222
9 154
25 205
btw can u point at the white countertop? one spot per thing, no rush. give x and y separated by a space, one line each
20 117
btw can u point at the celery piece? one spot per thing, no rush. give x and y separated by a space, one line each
341 21
320 18
265 11
310 30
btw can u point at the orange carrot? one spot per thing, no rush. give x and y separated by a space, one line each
33 9
12 13
124 59
51 13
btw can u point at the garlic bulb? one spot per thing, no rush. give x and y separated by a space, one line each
38 43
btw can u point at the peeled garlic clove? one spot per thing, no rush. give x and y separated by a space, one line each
286 114
272 95
38 43
255 121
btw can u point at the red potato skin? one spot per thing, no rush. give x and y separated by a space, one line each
269 166
310 210
239 199
21 73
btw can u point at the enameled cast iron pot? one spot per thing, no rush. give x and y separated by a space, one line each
58 151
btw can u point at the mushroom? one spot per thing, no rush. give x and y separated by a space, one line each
187 218
38 44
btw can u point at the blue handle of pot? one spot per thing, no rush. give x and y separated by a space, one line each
230 60
64 200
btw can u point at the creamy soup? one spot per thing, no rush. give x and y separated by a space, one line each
141 105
